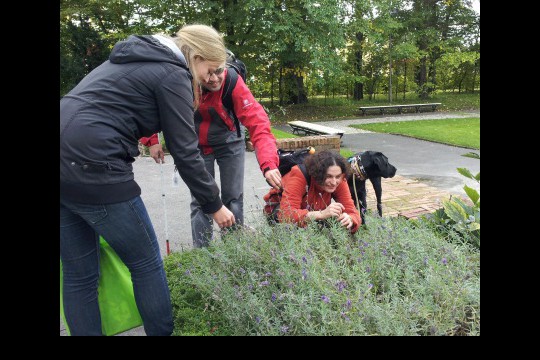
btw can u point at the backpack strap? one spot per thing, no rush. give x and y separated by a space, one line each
226 98
302 167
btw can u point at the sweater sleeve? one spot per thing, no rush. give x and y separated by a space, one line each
149 141
291 205
175 103
343 196
252 115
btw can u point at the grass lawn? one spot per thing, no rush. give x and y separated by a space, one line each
279 134
463 132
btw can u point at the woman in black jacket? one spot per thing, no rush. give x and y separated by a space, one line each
145 87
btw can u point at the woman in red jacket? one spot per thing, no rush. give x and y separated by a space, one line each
327 173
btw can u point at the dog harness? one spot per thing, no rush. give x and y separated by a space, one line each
357 167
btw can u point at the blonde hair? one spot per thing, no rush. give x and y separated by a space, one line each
203 41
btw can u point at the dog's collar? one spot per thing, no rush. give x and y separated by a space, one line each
357 167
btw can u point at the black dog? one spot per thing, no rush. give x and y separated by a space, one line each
370 165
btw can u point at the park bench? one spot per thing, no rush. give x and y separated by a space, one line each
313 129
399 108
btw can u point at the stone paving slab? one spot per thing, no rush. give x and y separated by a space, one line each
406 197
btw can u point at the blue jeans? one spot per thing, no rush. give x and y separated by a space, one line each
230 159
127 228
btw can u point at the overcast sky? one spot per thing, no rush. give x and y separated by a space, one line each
476 5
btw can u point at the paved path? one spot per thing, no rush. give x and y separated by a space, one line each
426 174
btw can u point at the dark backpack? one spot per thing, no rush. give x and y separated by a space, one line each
236 64
287 159
235 67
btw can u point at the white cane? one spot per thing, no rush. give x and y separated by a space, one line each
164 201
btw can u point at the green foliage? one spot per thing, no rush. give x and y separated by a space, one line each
394 277
192 314
461 217
326 47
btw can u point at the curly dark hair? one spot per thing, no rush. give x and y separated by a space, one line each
317 164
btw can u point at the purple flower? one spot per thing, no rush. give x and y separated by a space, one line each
304 274
370 286
325 299
290 284
268 274
284 328
348 304
242 271
258 319
444 261
250 287
187 272
341 285
273 297
304 259
425 261
345 316
384 252
264 283
368 269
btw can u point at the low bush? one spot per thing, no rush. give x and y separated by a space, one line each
394 277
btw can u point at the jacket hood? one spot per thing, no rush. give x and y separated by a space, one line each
147 48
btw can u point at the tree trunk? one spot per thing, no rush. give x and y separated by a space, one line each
405 77
272 74
280 86
358 91
422 78
302 96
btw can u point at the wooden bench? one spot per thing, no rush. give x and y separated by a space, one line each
399 108
313 129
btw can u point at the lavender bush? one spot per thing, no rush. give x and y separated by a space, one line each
394 278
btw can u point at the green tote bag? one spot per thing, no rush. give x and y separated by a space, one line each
117 306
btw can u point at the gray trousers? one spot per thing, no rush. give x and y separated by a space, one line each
230 159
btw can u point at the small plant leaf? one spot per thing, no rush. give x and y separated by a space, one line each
472 193
472 155
455 211
474 226
465 172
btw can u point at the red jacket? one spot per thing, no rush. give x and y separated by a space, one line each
294 204
216 128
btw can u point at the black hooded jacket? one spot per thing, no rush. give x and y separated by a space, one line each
143 88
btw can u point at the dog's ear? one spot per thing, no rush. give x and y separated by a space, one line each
386 169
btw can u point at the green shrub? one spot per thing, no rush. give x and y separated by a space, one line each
458 216
394 277
192 314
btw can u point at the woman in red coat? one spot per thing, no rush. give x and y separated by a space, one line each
327 173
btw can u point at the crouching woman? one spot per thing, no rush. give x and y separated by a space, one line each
326 171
